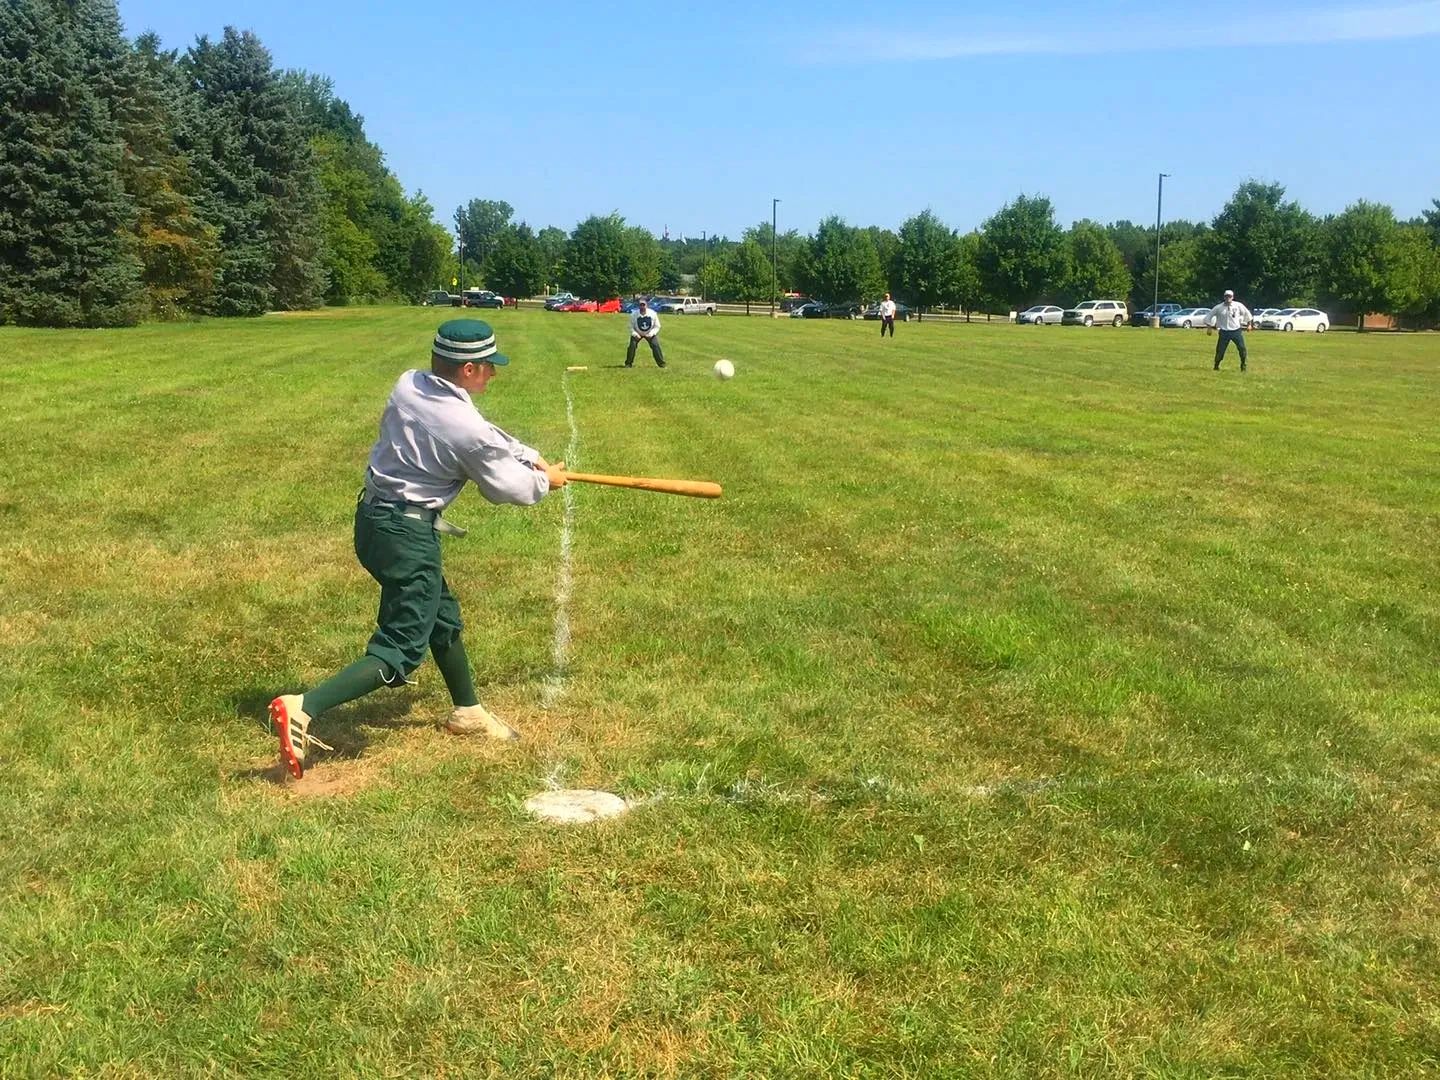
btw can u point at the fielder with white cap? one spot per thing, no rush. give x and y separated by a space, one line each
1232 317
432 441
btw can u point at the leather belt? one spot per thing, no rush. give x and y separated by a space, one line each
418 513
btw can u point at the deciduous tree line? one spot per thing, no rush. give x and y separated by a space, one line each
1270 251
139 183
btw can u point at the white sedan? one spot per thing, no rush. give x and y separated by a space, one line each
1186 318
1297 319
1257 317
1040 314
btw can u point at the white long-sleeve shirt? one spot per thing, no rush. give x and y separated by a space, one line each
1229 316
433 439
887 309
645 325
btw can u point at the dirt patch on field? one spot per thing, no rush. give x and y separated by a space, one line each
30 1009
323 780
22 628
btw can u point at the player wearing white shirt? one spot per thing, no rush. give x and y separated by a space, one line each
645 326
887 316
1232 317
432 442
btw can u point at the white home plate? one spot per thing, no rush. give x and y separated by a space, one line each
575 806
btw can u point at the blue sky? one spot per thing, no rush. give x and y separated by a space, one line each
692 117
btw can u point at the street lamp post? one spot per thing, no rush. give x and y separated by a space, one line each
462 270
1159 197
704 258
774 276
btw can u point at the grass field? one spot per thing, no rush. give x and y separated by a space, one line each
1035 702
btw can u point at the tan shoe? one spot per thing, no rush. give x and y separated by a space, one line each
292 725
478 720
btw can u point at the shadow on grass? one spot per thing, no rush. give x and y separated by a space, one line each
346 728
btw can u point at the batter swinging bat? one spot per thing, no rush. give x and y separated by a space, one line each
700 489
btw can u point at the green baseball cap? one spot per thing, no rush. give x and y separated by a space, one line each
468 340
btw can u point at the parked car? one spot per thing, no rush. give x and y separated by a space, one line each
1093 312
801 311
439 298
1142 318
553 302
839 309
482 298
1258 317
1040 314
790 303
1298 319
576 305
684 305
902 312
1186 318
629 307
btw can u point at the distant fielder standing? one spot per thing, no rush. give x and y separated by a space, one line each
432 441
1232 317
887 316
644 326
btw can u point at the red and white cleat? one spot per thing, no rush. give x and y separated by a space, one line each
292 725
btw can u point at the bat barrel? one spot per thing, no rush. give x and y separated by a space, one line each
699 489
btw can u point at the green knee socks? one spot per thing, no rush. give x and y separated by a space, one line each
355 681
454 665
368 673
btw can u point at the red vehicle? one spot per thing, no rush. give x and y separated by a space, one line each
590 305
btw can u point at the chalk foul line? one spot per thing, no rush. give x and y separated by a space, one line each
554 687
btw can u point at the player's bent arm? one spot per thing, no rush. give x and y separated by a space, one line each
501 476
527 454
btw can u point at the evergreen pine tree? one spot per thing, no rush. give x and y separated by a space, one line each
209 132
67 250
262 179
177 248
291 186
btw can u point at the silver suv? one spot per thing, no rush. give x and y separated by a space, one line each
683 305
1096 313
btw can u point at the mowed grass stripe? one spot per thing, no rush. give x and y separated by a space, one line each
1034 701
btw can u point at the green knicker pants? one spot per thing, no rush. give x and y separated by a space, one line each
417 610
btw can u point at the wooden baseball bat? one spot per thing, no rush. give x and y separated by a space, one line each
700 489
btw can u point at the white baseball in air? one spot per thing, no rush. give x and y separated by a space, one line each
724 369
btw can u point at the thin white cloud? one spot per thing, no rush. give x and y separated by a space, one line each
1141 34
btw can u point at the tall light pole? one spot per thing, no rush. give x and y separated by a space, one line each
774 276
462 271
1159 197
704 257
